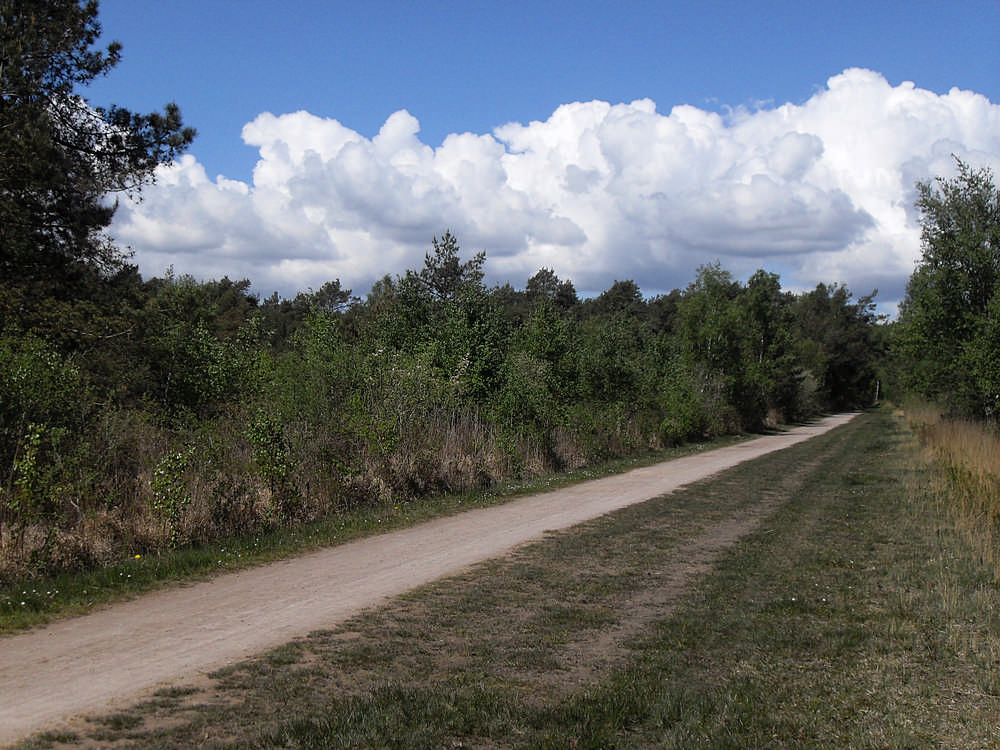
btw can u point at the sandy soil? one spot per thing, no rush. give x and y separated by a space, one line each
113 656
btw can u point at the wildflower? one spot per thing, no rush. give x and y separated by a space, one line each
138 557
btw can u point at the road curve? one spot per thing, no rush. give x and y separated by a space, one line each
87 664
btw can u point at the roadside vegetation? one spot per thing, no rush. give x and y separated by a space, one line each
140 416
190 435
840 608
153 428
967 456
41 599
945 350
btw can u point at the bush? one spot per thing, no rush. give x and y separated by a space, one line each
42 404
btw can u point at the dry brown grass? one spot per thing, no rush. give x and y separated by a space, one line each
157 487
968 456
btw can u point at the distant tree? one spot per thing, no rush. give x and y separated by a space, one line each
950 318
331 297
546 284
424 299
60 157
708 320
838 344
281 318
621 297
514 304
663 311
710 336
768 353
222 306
444 314
444 277
196 339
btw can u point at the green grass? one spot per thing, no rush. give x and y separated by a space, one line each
849 615
35 601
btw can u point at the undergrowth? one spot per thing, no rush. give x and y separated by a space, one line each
968 482
31 600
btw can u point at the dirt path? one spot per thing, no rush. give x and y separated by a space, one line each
89 663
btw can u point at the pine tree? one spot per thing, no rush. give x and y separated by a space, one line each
61 159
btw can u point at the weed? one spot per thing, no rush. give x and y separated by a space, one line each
169 489
119 721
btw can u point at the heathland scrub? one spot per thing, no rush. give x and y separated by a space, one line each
807 598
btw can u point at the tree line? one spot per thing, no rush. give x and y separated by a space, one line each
175 411
139 414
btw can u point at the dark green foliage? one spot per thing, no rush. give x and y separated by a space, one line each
839 345
281 318
213 414
949 325
59 156
773 373
199 344
740 339
622 297
610 358
709 336
692 403
662 312
61 278
444 278
266 435
546 285
445 316
42 409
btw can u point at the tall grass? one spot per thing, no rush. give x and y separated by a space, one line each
968 456
145 488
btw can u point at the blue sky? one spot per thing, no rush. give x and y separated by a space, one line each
473 67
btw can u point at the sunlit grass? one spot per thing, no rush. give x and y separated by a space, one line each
850 617
35 600
967 455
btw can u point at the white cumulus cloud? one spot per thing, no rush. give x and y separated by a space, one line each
817 191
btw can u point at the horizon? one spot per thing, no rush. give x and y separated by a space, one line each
636 142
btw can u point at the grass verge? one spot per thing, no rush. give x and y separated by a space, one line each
810 598
968 456
35 601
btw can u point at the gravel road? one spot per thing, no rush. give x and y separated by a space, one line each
114 656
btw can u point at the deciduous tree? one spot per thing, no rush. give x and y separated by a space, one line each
948 321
